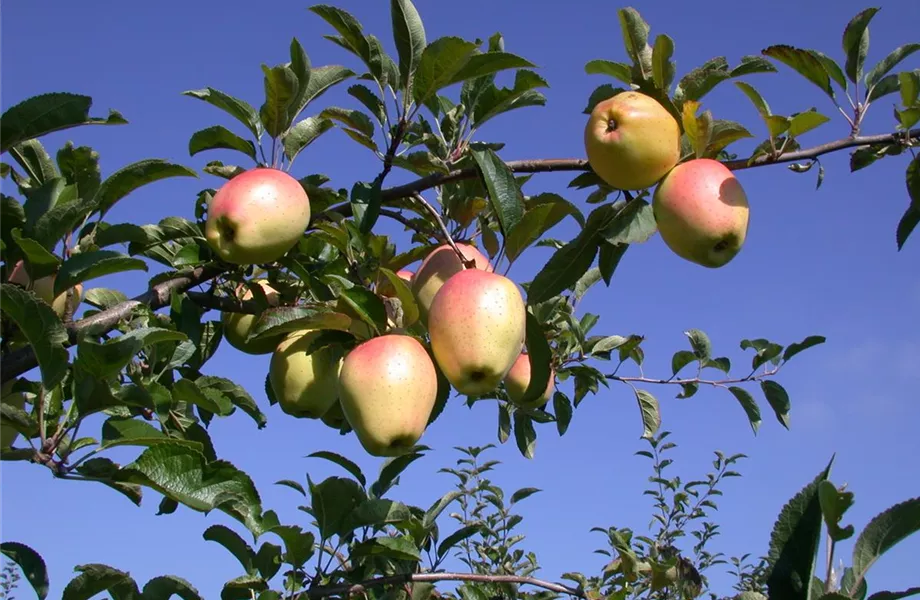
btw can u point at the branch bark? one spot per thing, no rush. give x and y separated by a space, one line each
357 588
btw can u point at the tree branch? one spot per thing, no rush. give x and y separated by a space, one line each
348 589
469 264
694 380
21 360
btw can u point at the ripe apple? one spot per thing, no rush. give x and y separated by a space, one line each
44 289
8 433
304 384
257 216
437 268
477 328
518 378
702 212
385 288
334 417
237 326
631 141
387 389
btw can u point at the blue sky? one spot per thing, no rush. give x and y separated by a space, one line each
816 262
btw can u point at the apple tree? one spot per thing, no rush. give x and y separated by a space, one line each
273 260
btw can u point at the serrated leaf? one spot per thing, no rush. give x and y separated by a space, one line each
34 160
523 493
31 563
749 405
778 399
648 409
797 347
390 471
540 357
304 133
105 359
40 115
634 223
618 70
794 543
95 578
80 167
40 261
699 341
524 434
367 305
321 80
409 36
332 500
663 68
456 537
394 548
803 62
910 87
118 431
504 193
299 545
86 266
234 544
235 393
806 121
281 89
241 110
856 43
756 99
542 213
889 62
834 503
635 31
562 409
440 61
127 179
42 329
407 299
218 136
886 85
912 216
488 63
164 587
343 462
432 514
883 532
681 359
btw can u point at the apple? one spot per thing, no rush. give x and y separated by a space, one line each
334 417
387 388
304 384
631 140
257 216
477 327
702 212
8 433
437 268
518 378
237 326
44 289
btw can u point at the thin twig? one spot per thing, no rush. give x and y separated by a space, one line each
693 380
348 589
469 264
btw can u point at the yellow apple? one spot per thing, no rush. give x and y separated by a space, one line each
702 212
44 289
387 389
304 384
237 326
437 268
631 141
477 327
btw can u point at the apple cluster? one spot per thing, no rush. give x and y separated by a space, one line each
702 212
386 387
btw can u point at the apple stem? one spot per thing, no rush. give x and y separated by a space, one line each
468 264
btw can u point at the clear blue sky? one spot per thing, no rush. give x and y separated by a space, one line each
820 262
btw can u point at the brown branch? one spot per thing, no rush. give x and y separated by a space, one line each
224 303
469 264
21 360
348 589
693 380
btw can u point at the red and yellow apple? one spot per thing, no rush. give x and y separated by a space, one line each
518 379
438 267
238 326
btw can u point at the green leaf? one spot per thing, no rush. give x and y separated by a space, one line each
570 262
42 328
367 305
164 587
834 503
31 563
562 409
390 471
235 393
298 544
321 80
304 133
395 548
797 347
186 390
118 431
778 399
241 110
96 578
663 68
886 85
105 359
601 93
883 532
910 87
634 223
856 43
488 63
648 409
886 595
185 475
889 62
456 537
409 35
749 405
406 297
699 341
803 62
432 514
912 215
794 543
34 160
504 192
635 38
701 80
268 559
85 266
540 357
609 259
281 89
342 462
218 136
524 434
234 544
377 512
493 101
439 63
103 470
333 499
43 114
806 121
681 359
618 70
365 203
80 167
523 493
127 179
40 262
370 100
542 213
